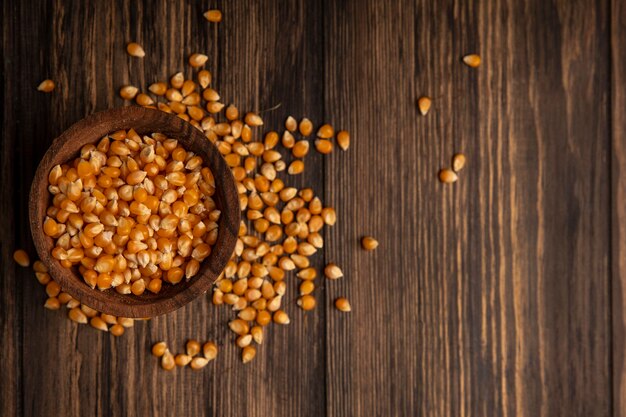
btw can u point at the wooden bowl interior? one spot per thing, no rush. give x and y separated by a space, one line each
145 121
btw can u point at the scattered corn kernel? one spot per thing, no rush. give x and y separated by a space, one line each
343 140
182 359
21 258
305 127
167 360
332 271
198 363
158 349
472 60
458 162
448 176
134 49
369 243
197 60
306 302
214 16
46 86
248 353
209 350
281 317
128 92
343 304
423 103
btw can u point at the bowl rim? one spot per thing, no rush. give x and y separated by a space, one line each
90 130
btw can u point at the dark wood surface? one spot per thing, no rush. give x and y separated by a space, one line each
502 295
618 210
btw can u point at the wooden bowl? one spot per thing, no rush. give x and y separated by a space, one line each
145 121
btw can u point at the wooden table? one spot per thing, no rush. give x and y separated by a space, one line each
501 295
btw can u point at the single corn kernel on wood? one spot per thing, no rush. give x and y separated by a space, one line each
257 334
296 167
158 88
342 304
64 298
126 321
46 86
307 287
306 302
239 326
53 289
76 315
108 318
39 266
232 113
197 60
324 146
343 140
325 131
458 162
305 127
291 124
182 359
424 103
472 60
189 87
244 340
448 176
213 15
192 347
158 349
128 92
332 271
248 353
253 119
134 49
144 100
263 317
177 80
52 303
117 330
209 350
98 323
21 258
281 317
369 243
198 363
300 149
43 277
167 360
307 274
288 141
73 303
204 78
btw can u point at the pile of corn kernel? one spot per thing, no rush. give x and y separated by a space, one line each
282 224
77 312
132 213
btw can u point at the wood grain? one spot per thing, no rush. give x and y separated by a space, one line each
618 161
501 295
489 297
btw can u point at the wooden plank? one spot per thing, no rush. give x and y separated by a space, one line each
19 151
261 55
618 209
270 54
491 296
